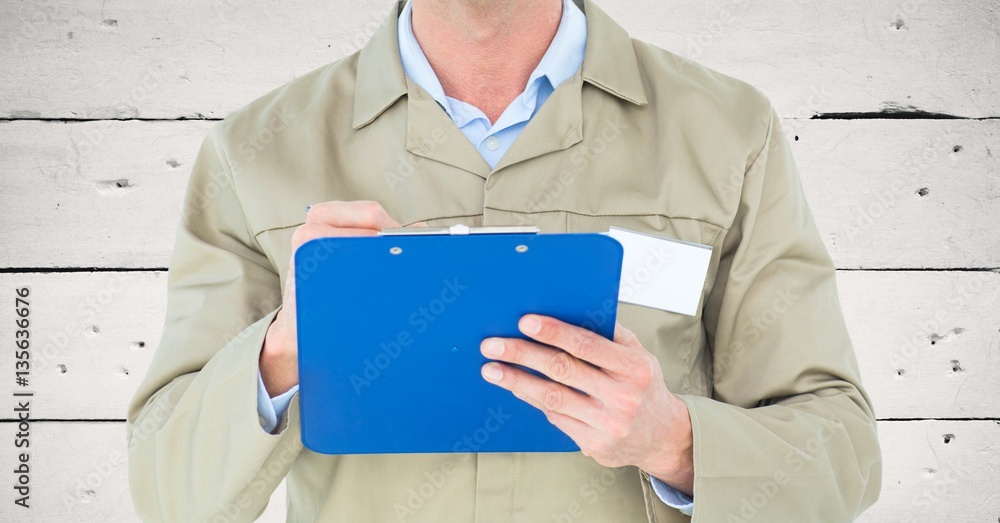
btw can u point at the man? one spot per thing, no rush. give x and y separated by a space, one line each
514 112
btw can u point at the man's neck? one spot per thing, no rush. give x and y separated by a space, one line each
483 51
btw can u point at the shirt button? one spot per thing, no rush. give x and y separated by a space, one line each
492 143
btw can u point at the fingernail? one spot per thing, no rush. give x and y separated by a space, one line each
493 348
530 325
492 372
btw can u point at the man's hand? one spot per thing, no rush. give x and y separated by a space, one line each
279 356
608 396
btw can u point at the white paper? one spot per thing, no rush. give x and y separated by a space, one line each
662 273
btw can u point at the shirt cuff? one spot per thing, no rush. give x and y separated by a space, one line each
672 496
269 409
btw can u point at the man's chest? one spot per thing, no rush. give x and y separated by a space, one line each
615 173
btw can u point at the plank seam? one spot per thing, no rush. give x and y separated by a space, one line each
42 420
896 115
15 270
919 269
75 120
997 420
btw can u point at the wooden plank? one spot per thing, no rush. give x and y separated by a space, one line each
79 473
119 59
94 335
823 57
98 194
903 194
928 342
60 182
937 471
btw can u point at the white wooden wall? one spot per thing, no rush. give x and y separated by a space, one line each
894 107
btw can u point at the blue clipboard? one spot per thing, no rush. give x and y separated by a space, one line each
389 329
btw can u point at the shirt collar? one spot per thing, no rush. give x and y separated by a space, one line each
415 63
609 63
565 54
562 58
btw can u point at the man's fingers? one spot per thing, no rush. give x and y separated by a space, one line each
312 231
544 394
557 364
579 342
624 336
353 214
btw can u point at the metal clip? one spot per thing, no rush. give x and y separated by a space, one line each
459 230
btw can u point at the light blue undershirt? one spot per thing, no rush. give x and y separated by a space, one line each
560 62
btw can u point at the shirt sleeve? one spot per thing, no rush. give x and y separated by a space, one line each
269 409
195 407
789 433
672 496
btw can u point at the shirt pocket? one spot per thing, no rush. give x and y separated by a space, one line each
275 240
678 341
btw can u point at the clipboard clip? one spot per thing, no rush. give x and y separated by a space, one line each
459 230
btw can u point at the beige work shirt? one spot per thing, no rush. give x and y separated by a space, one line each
639 138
